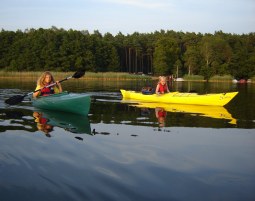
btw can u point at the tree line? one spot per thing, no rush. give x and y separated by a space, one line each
159 53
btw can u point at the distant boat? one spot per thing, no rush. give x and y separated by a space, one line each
179 79
241 81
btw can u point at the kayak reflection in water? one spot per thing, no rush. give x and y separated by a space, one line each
42 123
161 116
145 111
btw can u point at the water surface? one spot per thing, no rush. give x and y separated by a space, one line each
122 152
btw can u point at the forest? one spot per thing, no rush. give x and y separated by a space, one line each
158 53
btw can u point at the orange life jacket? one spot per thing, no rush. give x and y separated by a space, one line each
162 88
161 113
47 91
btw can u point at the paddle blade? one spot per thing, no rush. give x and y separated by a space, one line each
78 74
14 100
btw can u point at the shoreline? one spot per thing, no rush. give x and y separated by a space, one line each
107 76
28 79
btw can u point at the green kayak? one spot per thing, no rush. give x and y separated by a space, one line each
65 102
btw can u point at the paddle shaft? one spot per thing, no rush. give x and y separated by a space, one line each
18 98
48 86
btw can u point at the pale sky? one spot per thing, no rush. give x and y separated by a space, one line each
129 16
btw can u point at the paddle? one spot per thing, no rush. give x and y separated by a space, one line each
18 98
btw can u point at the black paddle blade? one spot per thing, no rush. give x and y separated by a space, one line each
78 74
15 100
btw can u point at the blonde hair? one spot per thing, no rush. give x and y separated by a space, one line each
162 78
41 80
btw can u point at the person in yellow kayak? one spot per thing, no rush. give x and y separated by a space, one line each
162 86
44 80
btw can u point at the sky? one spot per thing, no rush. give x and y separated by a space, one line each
129 16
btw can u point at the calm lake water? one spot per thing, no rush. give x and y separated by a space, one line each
121 151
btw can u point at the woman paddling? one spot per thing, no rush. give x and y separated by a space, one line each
162 86
45 80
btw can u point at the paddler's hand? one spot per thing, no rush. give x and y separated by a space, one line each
59 86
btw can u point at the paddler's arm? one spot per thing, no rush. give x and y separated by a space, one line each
59 88
156 112
167 89
157 89
37 93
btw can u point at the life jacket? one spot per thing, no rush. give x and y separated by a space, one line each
162 88
161 113
43 120
47 91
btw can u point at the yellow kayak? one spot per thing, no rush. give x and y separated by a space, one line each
219 99
217 112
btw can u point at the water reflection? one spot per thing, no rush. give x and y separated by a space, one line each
161 109
73 123
106 107
16 119
42 123
43 120
161 113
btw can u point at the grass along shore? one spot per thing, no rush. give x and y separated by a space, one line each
88 75
111 76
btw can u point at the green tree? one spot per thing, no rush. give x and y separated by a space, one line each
192 59
160 52
165 56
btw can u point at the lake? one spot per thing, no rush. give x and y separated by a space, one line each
121 151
